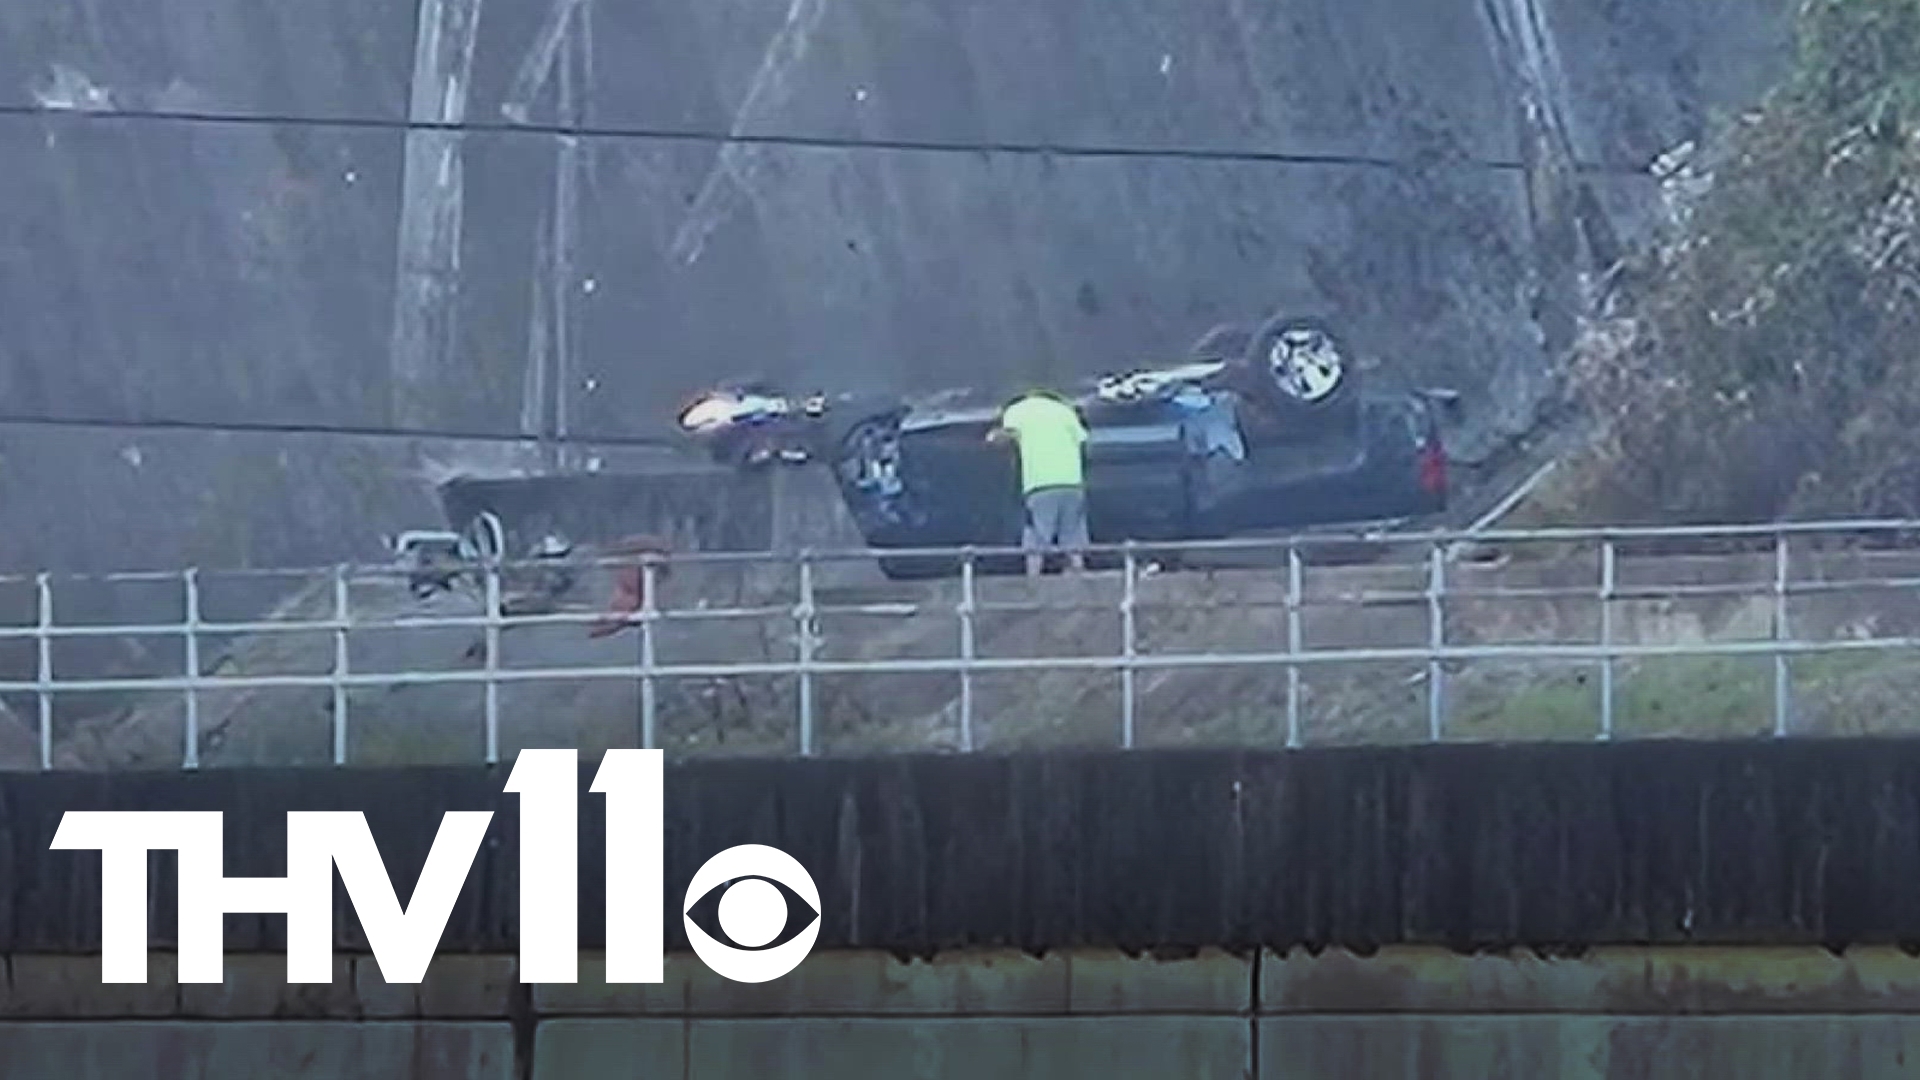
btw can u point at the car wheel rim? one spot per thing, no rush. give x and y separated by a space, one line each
872 459
1306 364
485 538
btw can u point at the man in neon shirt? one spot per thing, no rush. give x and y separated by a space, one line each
1051 442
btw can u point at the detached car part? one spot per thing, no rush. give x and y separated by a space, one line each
440 561
753 425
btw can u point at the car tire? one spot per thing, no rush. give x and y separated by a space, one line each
1304 368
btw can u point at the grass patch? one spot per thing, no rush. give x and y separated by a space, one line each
1696 696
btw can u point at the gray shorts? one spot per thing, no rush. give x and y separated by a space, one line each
1056 518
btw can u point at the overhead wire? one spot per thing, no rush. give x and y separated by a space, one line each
66 115
375 431
709 135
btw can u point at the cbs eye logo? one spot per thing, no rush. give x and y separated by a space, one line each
760 910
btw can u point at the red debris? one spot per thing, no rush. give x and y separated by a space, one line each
629 584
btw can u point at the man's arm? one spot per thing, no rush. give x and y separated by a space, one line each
1001 431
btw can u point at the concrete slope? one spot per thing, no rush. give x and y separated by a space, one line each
212 219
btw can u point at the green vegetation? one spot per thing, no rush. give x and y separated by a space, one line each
1760 357
1698 697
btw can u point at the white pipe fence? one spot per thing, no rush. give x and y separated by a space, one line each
1129 661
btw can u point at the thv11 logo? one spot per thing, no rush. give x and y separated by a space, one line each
762 904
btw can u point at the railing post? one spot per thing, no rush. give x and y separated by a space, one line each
803 618
190 756
965 611
341 614
1436 641
1129 596
44 638
1781 677
1295 586
493 662
649 614
1607 587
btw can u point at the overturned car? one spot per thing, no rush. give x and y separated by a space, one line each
1259 429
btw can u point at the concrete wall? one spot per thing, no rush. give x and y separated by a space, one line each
1627 912
1644 1014
1778 842
215 228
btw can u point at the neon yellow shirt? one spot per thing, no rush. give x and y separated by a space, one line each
1050 437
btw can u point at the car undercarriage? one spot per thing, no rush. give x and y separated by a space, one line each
1258 429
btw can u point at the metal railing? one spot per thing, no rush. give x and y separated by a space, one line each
809 604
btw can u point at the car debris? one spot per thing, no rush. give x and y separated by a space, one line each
439 561
750 424
630 582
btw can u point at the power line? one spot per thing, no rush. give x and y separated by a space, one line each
355 431
700 135
817 142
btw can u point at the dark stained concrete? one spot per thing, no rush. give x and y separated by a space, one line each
1553 848
1603 913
